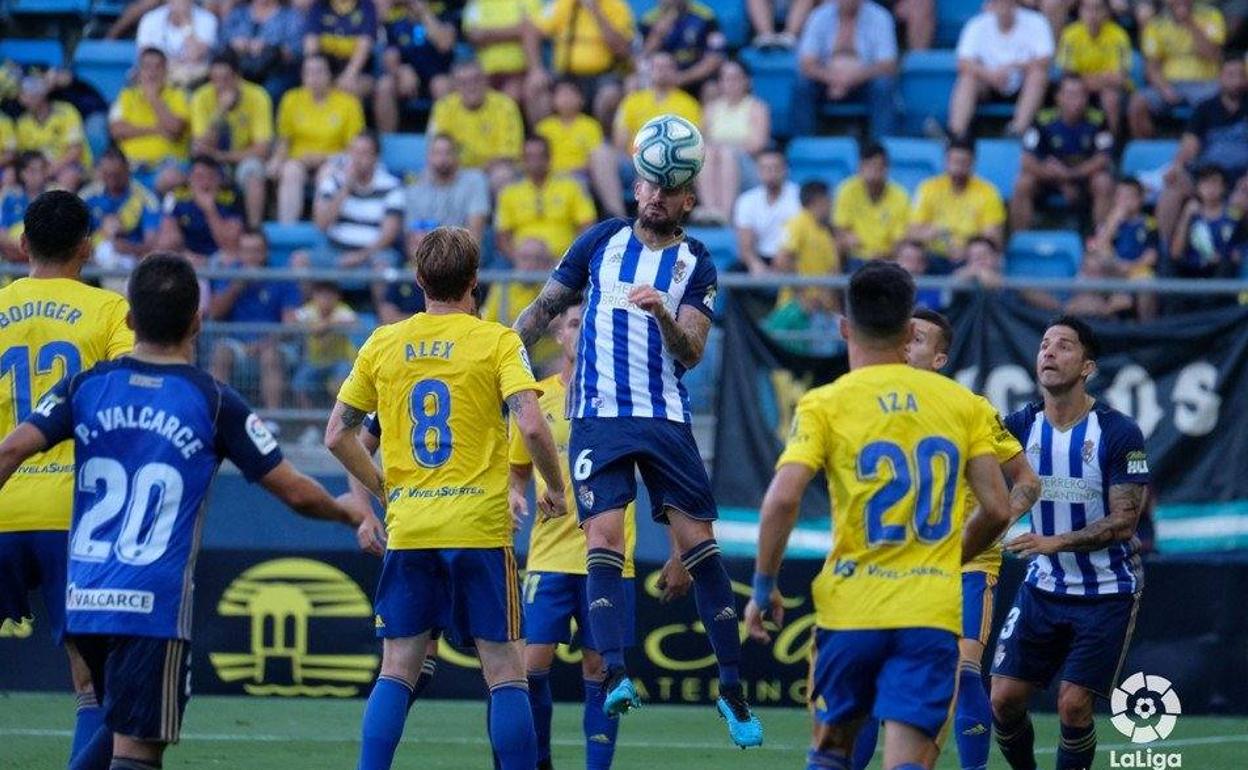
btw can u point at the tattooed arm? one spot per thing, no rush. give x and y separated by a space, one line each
541 445
532 322
684 335
1126 502
343 441
1024 485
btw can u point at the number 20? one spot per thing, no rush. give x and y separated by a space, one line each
895 490
135 544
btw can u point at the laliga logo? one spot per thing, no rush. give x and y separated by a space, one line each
1146 709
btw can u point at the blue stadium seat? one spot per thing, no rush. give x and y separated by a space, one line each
42 53
285 239
732 21
367 322
951 16
721 242
999 161
403 154
774 74
105 64
926 81
829 158
910 161
110 9
1044 254
1143 155
49 7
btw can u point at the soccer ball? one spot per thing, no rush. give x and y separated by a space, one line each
668 151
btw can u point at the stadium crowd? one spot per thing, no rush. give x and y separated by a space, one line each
242 117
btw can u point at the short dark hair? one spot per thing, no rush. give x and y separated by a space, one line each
26 157
113 152
941 322
372 138
974 239
566 81
57 224
960 143
881 300
1087 337
538 139
1069 76
152 50
325 286
207 160
1134 184
812 191
164 298
872 150
227 57
307 57
446 263
1207 170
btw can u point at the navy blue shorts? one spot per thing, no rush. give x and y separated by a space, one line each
606 453
979 589
30 560
142 683
553 599
1084 638
472 593
905 675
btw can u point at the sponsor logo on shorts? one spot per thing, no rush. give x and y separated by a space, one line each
109 600
1145 709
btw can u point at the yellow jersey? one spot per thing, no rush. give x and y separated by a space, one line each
558 545
579 46
8 134
814 251
879 225
1005 448
50 328
494 130
1171 43
570 143
553 213
133 107
438 384
323 128
894 442
1081 52
975 209
508 57
55 135
249 123
640 106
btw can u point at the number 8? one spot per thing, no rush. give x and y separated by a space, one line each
438 423
583 466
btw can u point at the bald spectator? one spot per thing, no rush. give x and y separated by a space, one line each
1003 53
848 53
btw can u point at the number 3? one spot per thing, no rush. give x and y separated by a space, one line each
1011 620
583 466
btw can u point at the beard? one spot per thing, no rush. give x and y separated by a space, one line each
659 224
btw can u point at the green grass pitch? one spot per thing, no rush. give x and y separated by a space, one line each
307 734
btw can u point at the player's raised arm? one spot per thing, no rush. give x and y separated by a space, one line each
342 438
541 447
994 515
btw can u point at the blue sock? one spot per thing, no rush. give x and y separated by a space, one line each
511 726
826 760
605 588
96 754
88 719
600 730
909 766
717 607
864 744
1017 742
973 718
543 710
1077 748
383 722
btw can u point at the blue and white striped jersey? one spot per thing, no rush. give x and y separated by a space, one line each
622 368
1076 468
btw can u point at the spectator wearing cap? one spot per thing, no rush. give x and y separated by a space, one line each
420 48
736 127
504 37
1067 151
185 33
1003 53
1182 49
344 31
485 123
1099 51
954 207
592 42
445 194
202 217
573 136
125 215
688 31
872 212
150 121
761 213
315 122
232 123
848 52
32 179
55 129
268 38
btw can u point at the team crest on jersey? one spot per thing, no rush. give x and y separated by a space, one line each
585 495
1034 449
1088 449
260 435
678 272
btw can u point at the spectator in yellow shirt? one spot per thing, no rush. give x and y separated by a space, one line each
592 42
232 123
55 129
485 123
573 135
1098 50
541 213
612 167
1182 52
506 40
952 208
149 122
8 143
314 123
808 247
872 212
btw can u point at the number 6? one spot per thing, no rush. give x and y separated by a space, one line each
583 465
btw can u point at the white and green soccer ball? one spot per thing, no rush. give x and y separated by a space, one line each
668 151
